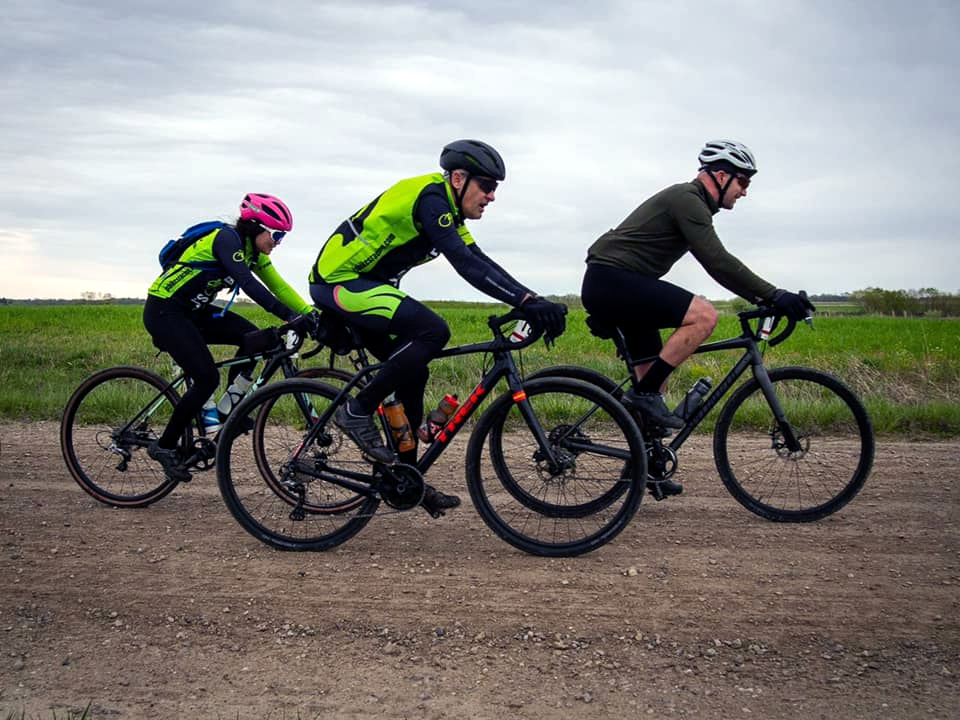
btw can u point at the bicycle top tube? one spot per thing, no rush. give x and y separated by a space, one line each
270 343
499 343
749 335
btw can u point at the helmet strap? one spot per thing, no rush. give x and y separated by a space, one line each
721 190
458 195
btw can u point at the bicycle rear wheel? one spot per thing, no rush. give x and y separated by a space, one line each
283 487
331 376
576 372
582 500
836 454
106 427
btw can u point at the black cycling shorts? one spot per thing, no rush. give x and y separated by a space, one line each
640 306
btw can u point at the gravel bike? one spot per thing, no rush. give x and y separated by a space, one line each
791 444
116 413
536 460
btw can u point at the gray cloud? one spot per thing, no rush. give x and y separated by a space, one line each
123 124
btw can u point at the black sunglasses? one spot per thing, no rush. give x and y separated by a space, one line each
743 180
486 184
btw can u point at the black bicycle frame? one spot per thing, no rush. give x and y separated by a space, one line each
503 366
274 361
752 358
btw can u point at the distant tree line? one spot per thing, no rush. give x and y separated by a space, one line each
908 303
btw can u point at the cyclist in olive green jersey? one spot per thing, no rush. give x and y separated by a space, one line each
181 320
622 285
357 275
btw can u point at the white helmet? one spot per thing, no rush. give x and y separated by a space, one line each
736 154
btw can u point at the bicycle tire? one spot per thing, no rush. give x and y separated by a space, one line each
326 374
576 372
505 469
812 483
109 462
261 487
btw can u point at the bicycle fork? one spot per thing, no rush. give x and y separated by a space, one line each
770 393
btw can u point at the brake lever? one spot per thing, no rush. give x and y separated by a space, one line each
809 318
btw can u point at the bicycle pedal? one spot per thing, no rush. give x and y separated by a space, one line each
663 489
434 513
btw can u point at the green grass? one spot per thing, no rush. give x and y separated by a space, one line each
906 370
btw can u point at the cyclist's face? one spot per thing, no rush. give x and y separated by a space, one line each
264 242
481 191
737 189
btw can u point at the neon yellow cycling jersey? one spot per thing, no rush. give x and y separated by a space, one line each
221 260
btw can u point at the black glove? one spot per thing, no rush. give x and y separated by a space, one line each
305 325
794 305
549 316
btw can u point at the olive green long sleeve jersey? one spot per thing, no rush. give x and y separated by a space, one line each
677 220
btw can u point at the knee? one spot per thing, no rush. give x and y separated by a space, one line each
436 333
703 316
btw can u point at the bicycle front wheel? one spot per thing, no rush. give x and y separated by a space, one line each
288 488
833 461
573 493
106 427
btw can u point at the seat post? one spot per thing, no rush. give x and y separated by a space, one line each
621 343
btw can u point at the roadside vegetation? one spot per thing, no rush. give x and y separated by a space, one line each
906 369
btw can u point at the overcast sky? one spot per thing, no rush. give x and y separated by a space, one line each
121 123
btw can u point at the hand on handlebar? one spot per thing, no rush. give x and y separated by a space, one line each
795 306
306 324
549 316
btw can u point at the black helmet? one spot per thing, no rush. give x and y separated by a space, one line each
476 157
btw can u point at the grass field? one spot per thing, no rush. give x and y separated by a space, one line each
907 370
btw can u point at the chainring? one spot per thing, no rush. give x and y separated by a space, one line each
401 486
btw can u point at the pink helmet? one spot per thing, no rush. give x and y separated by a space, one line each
267 210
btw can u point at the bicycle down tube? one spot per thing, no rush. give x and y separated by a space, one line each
752 358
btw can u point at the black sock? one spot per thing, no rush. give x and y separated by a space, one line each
655 376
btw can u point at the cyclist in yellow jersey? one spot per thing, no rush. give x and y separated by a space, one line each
358 270
181 320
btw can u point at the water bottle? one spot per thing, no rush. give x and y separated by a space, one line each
398 424
211 417
234 394
694 398
437 418
520 331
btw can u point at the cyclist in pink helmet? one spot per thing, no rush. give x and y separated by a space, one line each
181 319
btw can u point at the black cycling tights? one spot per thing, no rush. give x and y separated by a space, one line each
184 336
419 334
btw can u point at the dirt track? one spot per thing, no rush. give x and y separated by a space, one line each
699 609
